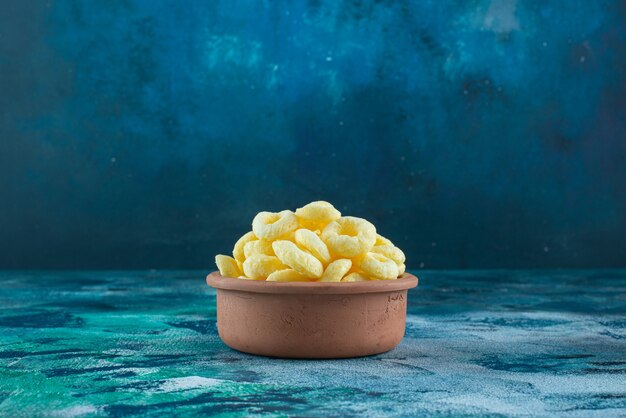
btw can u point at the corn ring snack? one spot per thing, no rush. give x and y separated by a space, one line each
299 260
259 266
314 243
390 251
316 215
259 246
287 275
289 237
349 236
271 226
379 266
380 240
401 269
227 266
355 277
336 270
311 242
238 251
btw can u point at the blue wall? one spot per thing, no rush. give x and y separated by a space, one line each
473 133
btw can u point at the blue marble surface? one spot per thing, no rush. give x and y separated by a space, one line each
475 133
478 342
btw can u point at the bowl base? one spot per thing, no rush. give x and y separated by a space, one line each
313 326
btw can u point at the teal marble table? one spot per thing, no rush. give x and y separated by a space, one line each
477 342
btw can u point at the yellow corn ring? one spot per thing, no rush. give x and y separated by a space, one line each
355 277
379 266
259 246
313 244
271 226
238 251
380 240
297 259
316 215
391 252
289 237
401 269
227 266
260 266
349 236
336 270
287 275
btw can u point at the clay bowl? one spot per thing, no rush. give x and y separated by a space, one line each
311 320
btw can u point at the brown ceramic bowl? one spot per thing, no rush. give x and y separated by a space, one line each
311 319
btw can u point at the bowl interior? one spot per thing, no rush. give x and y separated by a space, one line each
407 281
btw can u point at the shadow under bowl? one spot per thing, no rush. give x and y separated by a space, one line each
311 319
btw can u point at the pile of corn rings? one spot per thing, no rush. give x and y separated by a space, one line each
315 243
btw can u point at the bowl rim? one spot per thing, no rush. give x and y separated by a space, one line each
407 281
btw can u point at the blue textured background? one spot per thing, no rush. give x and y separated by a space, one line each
473 133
